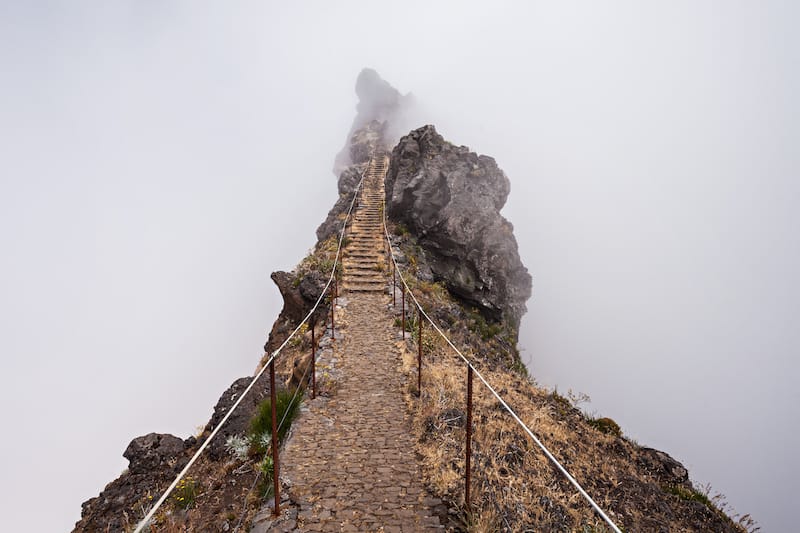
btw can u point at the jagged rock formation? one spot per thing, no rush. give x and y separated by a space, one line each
153 459
152 451
382 115
300 292
450 198
463 255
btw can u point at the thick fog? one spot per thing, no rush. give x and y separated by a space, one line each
159 159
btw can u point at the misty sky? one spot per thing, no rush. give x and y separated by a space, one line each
159 159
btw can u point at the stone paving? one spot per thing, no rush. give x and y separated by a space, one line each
350 464
351 461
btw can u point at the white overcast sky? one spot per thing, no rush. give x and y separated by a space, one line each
159 159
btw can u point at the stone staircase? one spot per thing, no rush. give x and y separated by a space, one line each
365 262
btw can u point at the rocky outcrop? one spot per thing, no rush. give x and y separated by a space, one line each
300 292
152 451
381 109
450 199
154 460
239 421
348 181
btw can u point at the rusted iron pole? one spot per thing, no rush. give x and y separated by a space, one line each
333 329
313 364
394 285
468 480
419 352
403 311
275 466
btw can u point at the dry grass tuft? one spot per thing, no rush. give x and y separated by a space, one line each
515 487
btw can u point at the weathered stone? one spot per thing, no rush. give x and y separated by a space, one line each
380 104
664 467
239 421
299 297
450 199
152 451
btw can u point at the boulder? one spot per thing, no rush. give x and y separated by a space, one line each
299 297
450 198
666 469
239 422
153 451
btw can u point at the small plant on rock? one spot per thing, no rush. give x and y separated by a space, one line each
606 425
267 468
185 493
287 407
238 446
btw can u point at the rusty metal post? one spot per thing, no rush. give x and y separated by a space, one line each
394 285
468 480
333 329
335 286
275 466
419 352
403 311
313 364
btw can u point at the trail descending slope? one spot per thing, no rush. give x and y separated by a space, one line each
351 460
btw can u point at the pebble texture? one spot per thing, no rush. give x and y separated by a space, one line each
350 463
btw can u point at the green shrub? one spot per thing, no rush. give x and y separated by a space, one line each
287 407
606 425
267 468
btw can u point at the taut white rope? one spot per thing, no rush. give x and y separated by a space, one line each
539 443
146 520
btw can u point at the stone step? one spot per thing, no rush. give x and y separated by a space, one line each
364 281
369 275
364 250
365 266
365 288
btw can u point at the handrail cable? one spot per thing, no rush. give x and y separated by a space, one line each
494 392
146 520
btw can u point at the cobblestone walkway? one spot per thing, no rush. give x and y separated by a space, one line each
350 462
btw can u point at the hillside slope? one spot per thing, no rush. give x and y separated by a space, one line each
460 260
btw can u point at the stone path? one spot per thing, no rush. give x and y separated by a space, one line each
350 462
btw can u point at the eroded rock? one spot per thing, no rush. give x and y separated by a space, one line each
239 421
382 113
450 198
152 451
299 297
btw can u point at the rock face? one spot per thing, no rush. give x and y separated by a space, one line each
378 103
348 181
299 297
239 422
154 460
152 451
450 198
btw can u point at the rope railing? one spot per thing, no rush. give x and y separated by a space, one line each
396 273
270 364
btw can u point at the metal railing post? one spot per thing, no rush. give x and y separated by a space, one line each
403 311
333 326
313 364
335 286
419 352
468 480
394 285
275 466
